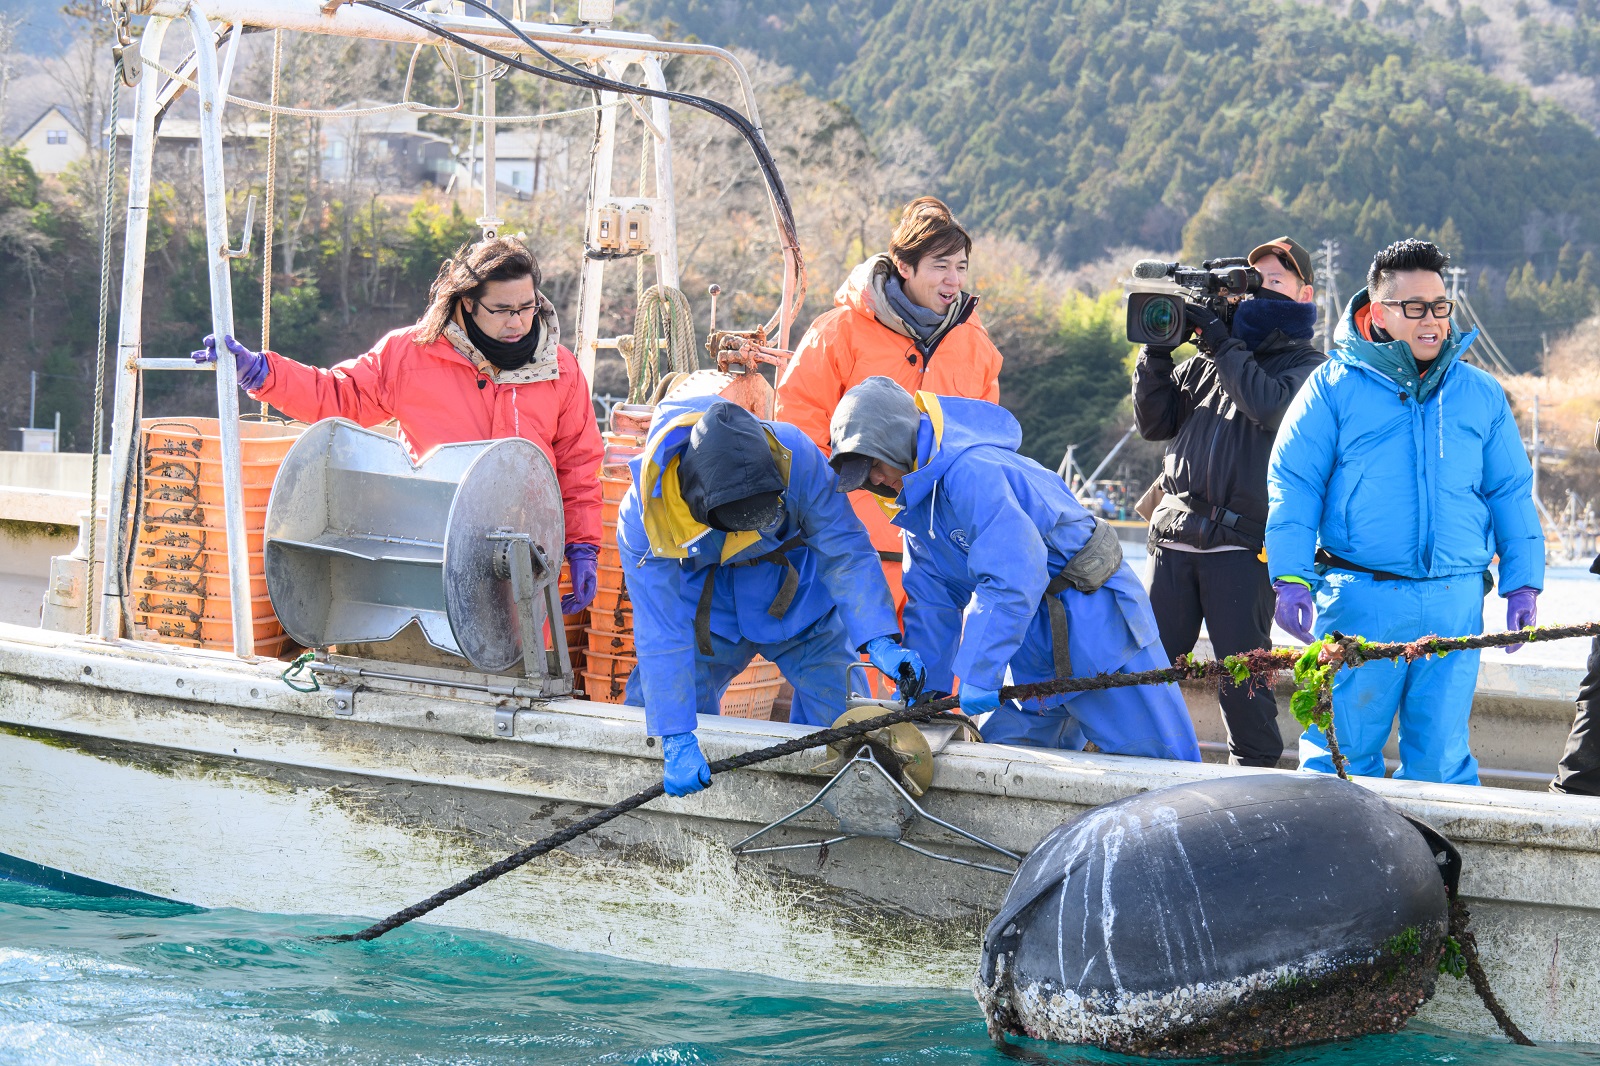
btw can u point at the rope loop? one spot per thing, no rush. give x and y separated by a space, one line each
297 669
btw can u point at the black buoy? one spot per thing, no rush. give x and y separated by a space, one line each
1240 914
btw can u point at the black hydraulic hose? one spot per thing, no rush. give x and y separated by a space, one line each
581 78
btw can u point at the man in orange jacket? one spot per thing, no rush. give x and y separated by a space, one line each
486 361
904 316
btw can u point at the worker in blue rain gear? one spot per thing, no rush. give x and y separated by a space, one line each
736 543
1049 593
1397 475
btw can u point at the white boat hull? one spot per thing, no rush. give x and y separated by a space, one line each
195 777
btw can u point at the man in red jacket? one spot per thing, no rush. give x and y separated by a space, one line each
485 362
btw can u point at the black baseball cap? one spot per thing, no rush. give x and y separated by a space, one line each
1288 249
752 512
853 469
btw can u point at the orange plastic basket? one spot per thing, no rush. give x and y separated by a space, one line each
604 643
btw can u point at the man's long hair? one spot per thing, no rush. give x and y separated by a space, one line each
465 274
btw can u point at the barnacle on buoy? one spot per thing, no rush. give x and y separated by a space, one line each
1219 917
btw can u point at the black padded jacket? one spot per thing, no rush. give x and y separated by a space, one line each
1220 414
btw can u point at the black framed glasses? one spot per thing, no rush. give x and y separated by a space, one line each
504 314
1440 308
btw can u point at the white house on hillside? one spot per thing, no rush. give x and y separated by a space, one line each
527 159
386 149
53 142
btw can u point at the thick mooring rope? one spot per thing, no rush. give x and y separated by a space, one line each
1255 667
1467 944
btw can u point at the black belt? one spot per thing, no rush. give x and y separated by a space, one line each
1324 557
1233 520
780 603
1059 650
892 557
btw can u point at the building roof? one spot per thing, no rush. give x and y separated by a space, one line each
43 114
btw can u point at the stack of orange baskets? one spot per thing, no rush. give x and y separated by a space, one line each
179 592
575 625
611 656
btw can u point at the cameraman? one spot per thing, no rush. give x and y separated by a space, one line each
1220 411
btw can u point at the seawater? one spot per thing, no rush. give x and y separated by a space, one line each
117 981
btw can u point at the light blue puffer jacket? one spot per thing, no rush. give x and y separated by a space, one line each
986 525
1425 478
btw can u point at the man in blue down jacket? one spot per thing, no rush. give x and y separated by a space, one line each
1397 476
1049 594
735 542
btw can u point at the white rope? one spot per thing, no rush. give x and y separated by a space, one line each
383 109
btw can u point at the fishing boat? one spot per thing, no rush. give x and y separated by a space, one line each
412 749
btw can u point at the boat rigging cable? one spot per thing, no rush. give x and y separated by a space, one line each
569 74
1257 667
97 431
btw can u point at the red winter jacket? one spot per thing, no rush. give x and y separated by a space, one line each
441 395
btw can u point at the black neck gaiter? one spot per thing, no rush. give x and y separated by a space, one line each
503 355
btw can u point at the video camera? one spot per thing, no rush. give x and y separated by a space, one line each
1158 317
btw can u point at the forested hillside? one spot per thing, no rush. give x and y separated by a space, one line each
1083 125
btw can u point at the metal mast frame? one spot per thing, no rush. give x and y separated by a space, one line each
611 51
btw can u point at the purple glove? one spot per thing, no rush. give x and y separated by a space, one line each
1295 611
251 366
582 560
1522 611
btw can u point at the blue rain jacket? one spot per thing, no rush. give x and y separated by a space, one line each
667 568
981 520
1425 478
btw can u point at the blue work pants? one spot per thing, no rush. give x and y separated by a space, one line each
1147 720
814 661
1432 696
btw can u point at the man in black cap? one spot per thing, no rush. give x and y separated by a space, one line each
735 542
1220 412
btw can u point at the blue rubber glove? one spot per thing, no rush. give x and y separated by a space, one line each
252 366
901 665
582 560
687 771
975 700
1295 612
1522 611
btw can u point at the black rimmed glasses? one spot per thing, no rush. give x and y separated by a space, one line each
505 314
1440 308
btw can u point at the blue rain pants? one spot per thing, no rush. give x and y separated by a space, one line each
814 661
1148 720
1433 696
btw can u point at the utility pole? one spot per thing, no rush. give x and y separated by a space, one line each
1326 263
33 394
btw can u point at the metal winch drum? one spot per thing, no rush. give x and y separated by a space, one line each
467 544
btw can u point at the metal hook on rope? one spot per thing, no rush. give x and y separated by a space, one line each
126 51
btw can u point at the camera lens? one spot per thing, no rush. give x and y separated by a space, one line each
1159 318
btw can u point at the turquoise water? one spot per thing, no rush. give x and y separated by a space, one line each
94 980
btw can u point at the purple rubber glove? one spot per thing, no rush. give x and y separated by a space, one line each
1295 612
581 560
251 366
1522 611
686 770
